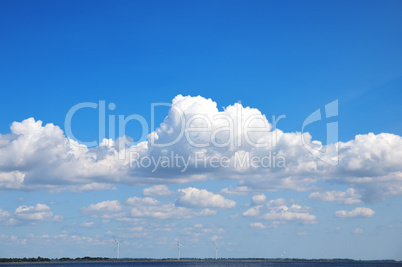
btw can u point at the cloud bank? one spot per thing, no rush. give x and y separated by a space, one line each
236 143
348 197
279 211
191 202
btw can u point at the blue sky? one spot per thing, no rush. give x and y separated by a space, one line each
277 58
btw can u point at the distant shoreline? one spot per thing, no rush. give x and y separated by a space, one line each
95 259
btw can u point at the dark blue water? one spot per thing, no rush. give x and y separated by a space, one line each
210 264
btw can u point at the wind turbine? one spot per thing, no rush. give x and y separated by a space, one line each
216 251
117 246
178 249
284 252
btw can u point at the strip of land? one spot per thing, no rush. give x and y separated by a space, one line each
100 259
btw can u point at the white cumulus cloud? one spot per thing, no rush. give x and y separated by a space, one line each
348 197
285 215
37 213
355 213
104 209
138 207
203 143
201 198
280 211
252 212
158 191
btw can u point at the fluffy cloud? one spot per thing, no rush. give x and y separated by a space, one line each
105 206
280 211
158 191
137 207
358 231
348 197
252 212
41 157
258 199
104 209
292 213
355 213
201 198
152 208
34 214
370 162
197 141
187 197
